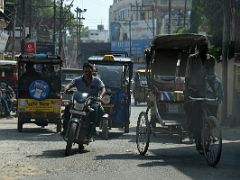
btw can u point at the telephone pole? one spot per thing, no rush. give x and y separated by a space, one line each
79 12
60 43
225 45
54 25
169 16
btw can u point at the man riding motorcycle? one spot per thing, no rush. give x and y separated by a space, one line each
94 87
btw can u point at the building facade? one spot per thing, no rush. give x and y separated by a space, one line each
133 24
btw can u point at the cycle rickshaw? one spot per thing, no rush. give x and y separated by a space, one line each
165 66
39 85
140 89
115 70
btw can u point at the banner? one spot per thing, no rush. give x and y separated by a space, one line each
3 41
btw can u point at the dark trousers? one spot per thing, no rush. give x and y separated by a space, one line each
194 118
5 106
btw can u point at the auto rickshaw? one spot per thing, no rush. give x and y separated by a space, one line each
39 86
140 88
115 70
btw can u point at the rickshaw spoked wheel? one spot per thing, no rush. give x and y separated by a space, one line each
143 132
212 140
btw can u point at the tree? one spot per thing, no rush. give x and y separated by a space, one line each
208 16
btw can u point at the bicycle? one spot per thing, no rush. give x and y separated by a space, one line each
211 134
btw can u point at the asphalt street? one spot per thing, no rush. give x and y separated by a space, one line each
38 154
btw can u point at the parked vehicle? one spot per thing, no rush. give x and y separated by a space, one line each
166 63
80 127
140 88
115 70
39 86
8 73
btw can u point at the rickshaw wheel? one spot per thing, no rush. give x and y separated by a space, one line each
19 125
70 138
212 140
143 132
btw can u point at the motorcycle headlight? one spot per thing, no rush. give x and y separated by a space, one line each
106 99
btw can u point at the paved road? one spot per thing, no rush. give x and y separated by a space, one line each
38 154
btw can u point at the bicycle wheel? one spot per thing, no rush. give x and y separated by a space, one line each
143 132
212 140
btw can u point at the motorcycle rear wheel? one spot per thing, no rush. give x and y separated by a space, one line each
70 138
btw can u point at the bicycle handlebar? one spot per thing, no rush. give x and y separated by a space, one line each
203 99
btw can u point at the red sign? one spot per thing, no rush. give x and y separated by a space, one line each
29 47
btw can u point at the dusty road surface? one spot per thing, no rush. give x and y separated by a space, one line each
38 154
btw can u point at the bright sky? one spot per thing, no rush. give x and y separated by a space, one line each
97 12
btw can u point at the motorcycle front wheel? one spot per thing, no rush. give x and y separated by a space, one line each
70 138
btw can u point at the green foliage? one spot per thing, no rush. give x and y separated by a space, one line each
181 30
208 16
42 13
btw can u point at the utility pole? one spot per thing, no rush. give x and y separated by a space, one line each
23 25
169 16
13 31
60 29
185 14
30 18
130 38
54 25
79 12
225 45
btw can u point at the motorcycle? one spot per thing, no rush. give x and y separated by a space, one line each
80 127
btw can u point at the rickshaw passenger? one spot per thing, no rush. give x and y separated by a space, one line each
27 77
90 84
199 71
54 81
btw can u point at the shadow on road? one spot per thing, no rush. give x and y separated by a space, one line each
30 134
187 160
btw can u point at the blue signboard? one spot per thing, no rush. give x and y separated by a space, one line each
39 89
137 46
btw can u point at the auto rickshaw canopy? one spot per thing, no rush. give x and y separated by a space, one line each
40 58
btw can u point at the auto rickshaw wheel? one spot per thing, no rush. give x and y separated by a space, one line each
59 126
135 102
19 125
126 128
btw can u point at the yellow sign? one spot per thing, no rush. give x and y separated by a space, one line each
108 58
32 105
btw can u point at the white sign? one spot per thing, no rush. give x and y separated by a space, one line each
3 41
139 30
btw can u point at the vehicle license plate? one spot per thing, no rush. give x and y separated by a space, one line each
172 108
79 106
